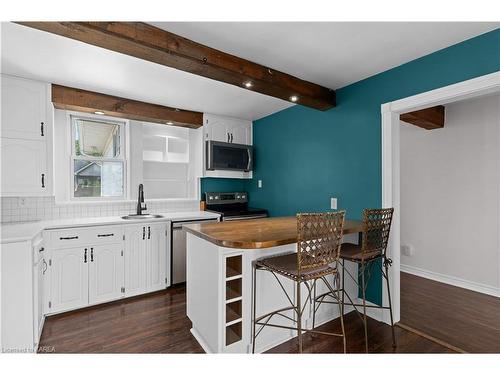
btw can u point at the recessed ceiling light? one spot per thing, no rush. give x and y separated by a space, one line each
248 84
294 98
170 123
99 112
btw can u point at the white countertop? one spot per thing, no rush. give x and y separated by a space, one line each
26 231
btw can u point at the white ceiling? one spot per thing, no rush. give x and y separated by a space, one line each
330 54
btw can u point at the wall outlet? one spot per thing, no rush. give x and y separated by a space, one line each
407 250
259 184
22 202
333 203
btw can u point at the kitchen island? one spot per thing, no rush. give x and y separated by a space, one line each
219 282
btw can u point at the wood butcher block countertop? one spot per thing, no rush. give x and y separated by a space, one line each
256 233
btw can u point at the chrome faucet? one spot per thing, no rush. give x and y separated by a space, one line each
140 201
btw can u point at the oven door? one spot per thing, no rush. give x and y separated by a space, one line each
228 156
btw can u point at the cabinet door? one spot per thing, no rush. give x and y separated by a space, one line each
38 297
69 279
135 260
157 256
241 133
105 273
42 268
219 132
23 166
24 104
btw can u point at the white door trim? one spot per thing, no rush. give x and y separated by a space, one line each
480 86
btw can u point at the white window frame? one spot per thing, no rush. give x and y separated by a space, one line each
73 117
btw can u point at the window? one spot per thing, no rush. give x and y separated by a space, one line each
98 160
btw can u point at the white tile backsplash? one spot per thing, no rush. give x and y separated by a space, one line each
45 208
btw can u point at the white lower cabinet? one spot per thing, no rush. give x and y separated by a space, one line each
135 260
39 269
105 263
146 260
105 273
156 257
69 279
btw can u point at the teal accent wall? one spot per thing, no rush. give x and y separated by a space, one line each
305 156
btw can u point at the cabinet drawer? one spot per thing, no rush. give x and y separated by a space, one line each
85 236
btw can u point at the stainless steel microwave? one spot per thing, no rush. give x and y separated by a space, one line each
229 156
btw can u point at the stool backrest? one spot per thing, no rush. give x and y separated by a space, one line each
376 228
319 238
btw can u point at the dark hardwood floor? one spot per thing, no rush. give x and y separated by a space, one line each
157 323
460 317
154 323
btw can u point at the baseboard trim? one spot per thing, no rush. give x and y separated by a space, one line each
452 280
200 340
431 338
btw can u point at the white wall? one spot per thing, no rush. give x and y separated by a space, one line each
450 196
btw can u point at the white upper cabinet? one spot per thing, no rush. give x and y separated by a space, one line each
24 167
227 129
24 108
26 138
241 133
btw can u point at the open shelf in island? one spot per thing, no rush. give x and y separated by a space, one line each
233 277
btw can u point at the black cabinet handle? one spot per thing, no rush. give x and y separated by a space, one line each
85 256
69 238
149 233
143 233
43 180
106 235
228 137
41 129
231 137
91 254
45 268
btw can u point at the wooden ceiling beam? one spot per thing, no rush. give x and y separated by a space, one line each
73 99
429 118
153 44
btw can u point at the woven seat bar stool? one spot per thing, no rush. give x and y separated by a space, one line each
318 250
371 251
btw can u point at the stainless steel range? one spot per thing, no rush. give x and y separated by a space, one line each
233 206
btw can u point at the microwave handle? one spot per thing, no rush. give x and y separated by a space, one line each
249 159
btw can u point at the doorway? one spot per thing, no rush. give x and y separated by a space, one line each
411 282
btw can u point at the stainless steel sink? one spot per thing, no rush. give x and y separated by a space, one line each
145 216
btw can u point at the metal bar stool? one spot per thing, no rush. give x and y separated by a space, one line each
317 256
373 247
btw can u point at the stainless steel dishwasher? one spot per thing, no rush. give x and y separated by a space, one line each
179 248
